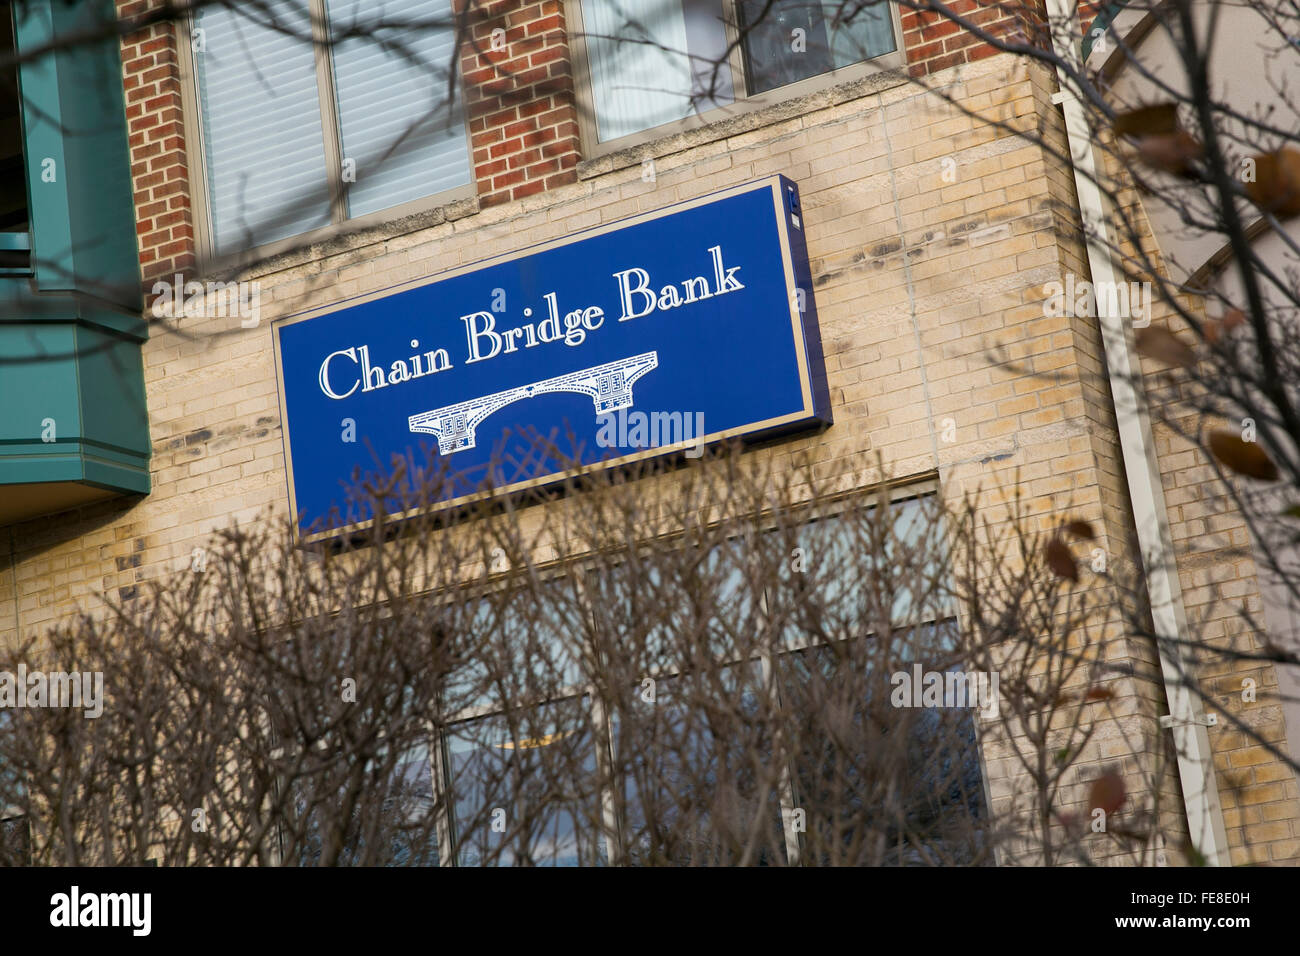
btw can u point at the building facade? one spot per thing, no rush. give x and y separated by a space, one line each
932 227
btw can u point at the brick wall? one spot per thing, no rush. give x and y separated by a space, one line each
1221 596
913 273
520 100
916 274
159 171
934 42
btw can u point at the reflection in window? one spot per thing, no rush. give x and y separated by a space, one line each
405 830
13 173
524 788
910 555
881 785
16 842
791 40
653 62
15 826
692 792
15 244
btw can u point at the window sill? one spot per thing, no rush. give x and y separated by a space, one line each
744 118
346 236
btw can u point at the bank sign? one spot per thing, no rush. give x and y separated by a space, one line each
658 334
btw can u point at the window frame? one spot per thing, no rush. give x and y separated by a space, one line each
332 143
440 724
743 103
613 829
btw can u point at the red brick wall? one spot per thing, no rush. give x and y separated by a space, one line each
933 42
519 97
159 172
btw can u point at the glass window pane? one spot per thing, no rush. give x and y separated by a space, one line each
699 785
676 610
410 808
262 134
524 788
791 40
880 785
519 643
654 62
15 842
404 832
402 138
13 182
905 563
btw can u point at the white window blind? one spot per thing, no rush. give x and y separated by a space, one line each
272 119
398 124
265 151
641 75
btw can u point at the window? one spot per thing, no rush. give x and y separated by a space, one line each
660 62
15 825
15 244
701 788
742 712
799 40
403 834
297 136
15 841
680 768
503 810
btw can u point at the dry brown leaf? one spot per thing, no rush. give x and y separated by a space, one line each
1171 152
1157 120
1162 345
1215 329
1107 793
1277 182
1243 457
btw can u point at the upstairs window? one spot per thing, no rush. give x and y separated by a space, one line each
298 135
661 62
14 226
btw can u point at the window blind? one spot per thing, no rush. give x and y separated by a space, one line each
403 137
641 75
262 129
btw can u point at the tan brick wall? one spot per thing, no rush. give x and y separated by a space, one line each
1219 580
930 235
914 278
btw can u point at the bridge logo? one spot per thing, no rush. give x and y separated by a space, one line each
609 386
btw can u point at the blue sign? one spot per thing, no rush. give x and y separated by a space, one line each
658 334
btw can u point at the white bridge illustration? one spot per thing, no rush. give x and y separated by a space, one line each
608 385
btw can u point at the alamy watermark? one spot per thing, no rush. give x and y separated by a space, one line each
76 909
209 300
635 430
1083 299
950 689
78 689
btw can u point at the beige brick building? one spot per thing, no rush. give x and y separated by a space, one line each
932 228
